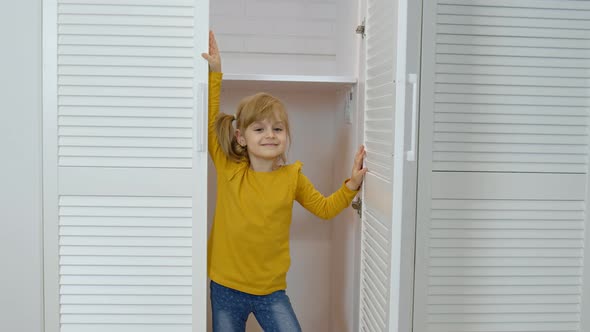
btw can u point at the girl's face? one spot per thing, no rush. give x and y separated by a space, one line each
265 139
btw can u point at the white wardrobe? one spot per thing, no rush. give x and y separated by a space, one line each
475 118
502 204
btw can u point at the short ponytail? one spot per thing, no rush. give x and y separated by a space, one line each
227 138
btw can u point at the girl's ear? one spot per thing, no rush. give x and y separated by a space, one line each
240 138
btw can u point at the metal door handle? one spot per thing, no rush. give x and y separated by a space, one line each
413 79
199 120
358 206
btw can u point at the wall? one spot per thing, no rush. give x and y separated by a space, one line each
20 170
346 230
285 37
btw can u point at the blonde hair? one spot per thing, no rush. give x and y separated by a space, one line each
258 107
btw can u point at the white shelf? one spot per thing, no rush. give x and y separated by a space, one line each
292 82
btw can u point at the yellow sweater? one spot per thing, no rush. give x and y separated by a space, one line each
249 241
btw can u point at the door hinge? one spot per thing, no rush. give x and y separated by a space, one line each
358 206
360 29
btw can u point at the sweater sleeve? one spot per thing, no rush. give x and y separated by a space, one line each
324 207
217 155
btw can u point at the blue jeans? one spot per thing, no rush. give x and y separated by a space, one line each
231 308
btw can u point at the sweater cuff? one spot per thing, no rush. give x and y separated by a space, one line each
215 76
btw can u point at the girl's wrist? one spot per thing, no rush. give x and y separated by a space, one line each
352 186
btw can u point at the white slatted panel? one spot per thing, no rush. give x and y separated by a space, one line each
125 262
125 83
502 212
505 265
125 165
512 86
379 143
380 90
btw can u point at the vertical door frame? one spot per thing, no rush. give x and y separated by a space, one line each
51 317
359 91
396 319
405 170
585 279
360 134
200 162
424 185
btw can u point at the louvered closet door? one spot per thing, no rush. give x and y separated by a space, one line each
125 165
502 202
388 207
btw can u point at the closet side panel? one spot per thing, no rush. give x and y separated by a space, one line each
124 165
503 166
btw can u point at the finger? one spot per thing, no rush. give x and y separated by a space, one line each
359 157
206 56
361 151
360 174
213 43
357 165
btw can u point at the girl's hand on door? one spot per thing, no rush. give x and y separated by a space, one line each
358 171
213 57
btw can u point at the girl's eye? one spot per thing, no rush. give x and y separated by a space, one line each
257 129
278 129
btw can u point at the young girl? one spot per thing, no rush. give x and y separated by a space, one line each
249 243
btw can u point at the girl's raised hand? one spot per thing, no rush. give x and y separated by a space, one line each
213 57
358 171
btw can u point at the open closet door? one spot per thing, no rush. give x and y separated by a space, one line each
390 128
503 178
124 165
